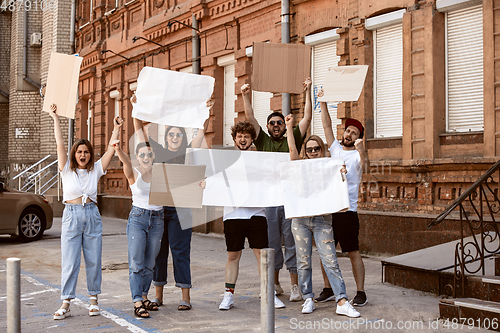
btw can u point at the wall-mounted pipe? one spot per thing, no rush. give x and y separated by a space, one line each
285 39
25 52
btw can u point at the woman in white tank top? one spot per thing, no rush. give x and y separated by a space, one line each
144 227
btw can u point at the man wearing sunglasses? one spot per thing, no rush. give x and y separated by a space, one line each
276 141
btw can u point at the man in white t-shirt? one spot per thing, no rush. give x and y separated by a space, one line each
346 224
241 223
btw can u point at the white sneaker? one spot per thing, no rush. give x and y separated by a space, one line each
278 289
277 303
308 306
295 294
227 302
347 310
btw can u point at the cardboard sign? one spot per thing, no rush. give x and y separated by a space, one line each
313 187
176 185
62 84
172 98
280 67
344 83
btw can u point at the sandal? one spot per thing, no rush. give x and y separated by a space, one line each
94 308
141 312
148 305
157 301
184 306
62 313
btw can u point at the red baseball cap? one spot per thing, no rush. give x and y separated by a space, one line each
357 124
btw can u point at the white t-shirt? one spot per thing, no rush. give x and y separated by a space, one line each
242 213
81 183
354 171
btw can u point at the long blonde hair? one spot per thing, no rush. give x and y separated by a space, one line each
319 141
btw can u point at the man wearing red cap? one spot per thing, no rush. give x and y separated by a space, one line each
346 224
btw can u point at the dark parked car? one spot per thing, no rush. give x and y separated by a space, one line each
23 214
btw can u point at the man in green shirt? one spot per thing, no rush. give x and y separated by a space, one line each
276 141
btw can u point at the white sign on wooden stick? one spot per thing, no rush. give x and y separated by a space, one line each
313 187
344 83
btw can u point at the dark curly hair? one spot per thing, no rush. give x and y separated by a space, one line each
243 127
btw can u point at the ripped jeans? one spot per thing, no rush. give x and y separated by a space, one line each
319 227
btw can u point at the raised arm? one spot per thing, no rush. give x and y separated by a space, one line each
106 158
364 162
199 140
62 156
139 124
247 104
128 170
327 121
306 121
294 153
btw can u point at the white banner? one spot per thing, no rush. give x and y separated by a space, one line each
313 187
240 178
172 98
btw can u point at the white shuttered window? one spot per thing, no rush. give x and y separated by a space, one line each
229 99
324 56
261 105
464 69
388 81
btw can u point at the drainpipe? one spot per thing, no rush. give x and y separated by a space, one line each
71 122
25 52
196 46
285 39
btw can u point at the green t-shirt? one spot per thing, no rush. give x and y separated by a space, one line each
265 143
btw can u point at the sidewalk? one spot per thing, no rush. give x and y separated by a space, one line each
389 307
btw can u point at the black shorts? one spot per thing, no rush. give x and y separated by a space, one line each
346 230
255 229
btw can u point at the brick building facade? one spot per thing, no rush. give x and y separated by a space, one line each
429 103
26 133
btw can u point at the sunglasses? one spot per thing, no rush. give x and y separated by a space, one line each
279 122
150 154
313 149
173 135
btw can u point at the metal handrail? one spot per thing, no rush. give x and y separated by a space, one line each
49 187
41 170
464 195
31 167
33 181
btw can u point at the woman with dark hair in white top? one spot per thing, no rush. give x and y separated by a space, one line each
144 227
81 222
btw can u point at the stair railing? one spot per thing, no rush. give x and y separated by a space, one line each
479 206
37 181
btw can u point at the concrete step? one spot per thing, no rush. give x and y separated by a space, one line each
470 312
432 269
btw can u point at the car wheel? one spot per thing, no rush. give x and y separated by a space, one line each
31 225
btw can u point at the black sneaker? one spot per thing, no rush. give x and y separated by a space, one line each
326 295
360 299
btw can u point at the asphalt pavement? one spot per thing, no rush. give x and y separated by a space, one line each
389 308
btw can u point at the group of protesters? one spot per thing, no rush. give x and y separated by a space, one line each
153 231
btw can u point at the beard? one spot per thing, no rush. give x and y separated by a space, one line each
278 136
347 144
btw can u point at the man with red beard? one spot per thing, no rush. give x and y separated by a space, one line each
241 222
278 226
346 224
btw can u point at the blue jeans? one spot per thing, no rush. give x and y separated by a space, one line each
81 228
144 231
278 226
179 242
321 229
